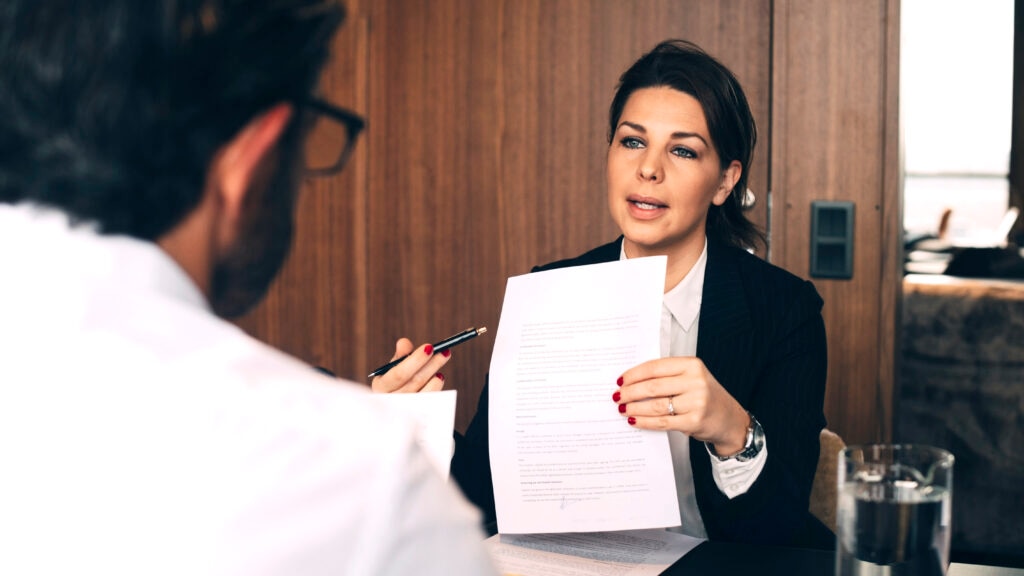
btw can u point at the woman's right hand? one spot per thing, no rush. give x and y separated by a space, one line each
417 373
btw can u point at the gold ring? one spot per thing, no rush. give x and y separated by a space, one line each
671 408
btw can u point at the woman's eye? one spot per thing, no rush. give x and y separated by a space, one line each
684 152
631 142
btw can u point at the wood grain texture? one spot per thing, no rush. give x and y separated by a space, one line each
316 309
833 136
521 132
484 156
890 295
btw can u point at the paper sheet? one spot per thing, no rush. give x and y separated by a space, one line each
563 459
627 553
434 414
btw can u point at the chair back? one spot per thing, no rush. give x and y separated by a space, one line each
825 490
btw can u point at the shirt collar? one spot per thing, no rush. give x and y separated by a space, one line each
683 300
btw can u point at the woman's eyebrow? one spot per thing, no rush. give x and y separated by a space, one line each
639 128
675 135
681 135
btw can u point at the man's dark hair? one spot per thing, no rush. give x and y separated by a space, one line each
112 110
683 66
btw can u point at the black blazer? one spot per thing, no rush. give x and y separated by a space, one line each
762 336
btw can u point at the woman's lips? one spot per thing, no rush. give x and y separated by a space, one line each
645 208
647 205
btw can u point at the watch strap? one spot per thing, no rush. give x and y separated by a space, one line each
751 447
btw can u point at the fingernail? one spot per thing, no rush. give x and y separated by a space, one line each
446 353
440 376
428 349
622 410
631 420
616 396
619 381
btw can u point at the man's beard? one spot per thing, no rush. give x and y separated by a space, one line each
241 277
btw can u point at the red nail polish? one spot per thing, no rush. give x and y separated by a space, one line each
632 421
619 381
622 409
446 353
440 376
428 349
616 396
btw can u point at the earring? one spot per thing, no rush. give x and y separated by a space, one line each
748 199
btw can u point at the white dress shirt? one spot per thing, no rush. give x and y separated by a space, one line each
679 314
140 434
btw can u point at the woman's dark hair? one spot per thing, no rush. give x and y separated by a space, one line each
683 66
111 110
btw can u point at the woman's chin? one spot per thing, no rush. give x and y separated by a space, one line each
646 243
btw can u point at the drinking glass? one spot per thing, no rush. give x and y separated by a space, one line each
894 510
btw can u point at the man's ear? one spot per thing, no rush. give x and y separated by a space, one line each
238 163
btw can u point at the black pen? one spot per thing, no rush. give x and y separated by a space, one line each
439 347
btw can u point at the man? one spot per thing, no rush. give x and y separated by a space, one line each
150 154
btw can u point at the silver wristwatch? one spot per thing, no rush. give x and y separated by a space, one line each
752 446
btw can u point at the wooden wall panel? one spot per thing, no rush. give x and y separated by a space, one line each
316 310
483 156
834 137
435 180
487 155
891 293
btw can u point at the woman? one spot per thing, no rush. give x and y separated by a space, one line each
741 381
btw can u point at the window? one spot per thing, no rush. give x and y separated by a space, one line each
956 93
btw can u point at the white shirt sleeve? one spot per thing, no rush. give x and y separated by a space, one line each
734 477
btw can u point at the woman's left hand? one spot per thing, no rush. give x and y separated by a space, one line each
681 394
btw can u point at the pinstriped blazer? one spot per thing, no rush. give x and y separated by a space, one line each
762 336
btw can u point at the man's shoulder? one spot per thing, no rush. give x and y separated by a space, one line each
198 359
290 389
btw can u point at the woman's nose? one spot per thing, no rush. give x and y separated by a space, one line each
649 170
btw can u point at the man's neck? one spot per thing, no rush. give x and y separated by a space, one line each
191 245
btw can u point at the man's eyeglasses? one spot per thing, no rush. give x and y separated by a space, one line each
330 137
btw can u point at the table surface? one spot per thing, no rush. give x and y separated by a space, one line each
715 558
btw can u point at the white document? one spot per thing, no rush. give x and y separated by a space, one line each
563 459
628 553
434 414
